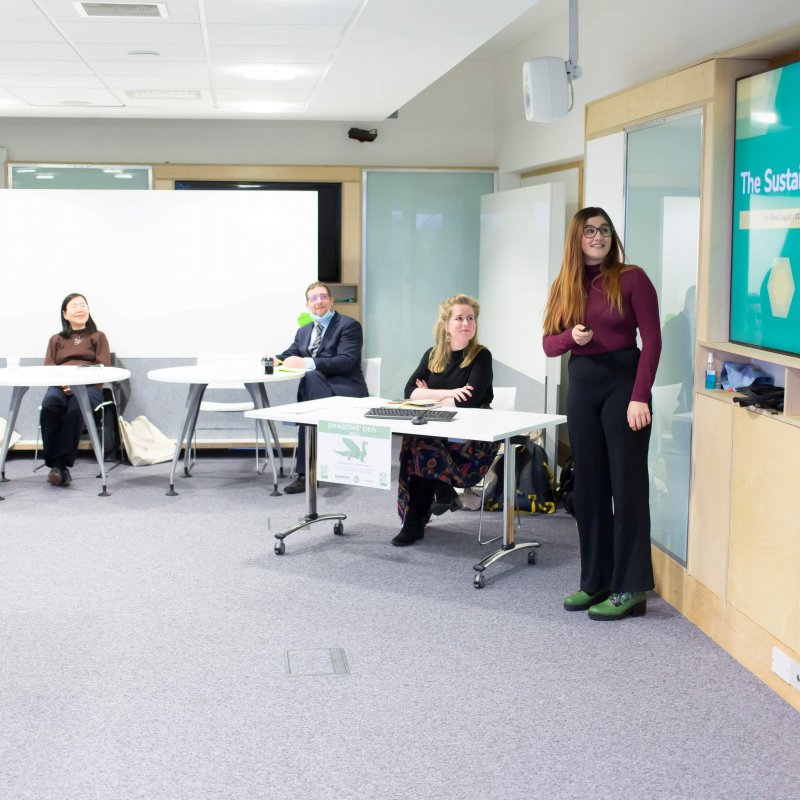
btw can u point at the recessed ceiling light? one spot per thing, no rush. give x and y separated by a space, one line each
152 53
75 103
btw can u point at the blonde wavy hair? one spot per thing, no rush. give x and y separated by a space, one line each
566 305
440 354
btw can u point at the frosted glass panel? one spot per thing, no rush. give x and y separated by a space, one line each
422 245
662 235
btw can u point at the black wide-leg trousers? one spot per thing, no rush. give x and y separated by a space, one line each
611 495
62 425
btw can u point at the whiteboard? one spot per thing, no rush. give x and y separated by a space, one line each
166 274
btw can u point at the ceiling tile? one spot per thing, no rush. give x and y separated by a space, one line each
53 97
15 82
32 31
282 12
274 55
25 51
156 32
98 51
156 82
276 35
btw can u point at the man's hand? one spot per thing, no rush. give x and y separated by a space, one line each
295 362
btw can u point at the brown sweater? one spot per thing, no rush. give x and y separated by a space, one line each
79 348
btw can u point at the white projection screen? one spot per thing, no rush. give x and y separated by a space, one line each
166 274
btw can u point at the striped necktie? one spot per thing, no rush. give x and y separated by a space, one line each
317 340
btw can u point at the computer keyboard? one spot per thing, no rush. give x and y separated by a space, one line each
433 415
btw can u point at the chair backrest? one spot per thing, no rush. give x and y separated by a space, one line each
505 398
371 367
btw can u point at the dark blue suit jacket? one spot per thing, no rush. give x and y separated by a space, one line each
339 356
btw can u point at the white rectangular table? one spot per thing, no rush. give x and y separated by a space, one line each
74 376
480 424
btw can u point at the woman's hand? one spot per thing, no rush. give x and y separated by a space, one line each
463 394
66 390
581 335
421 384
638 415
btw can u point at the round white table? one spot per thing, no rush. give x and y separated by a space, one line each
199 377
76 377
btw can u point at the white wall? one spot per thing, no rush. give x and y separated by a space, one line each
622 43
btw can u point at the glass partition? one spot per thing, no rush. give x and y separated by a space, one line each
662 225
78 176
422 244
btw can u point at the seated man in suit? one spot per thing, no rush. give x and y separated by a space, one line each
330 348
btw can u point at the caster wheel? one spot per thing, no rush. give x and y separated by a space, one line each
532 556
280 548
338 529
479 582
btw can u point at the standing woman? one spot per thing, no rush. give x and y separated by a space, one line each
456 372
78 342
595 307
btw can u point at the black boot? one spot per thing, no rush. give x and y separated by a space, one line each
420 497
445 499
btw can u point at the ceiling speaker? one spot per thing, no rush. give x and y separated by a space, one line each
545 87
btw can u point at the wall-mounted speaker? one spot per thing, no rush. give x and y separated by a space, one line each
545 87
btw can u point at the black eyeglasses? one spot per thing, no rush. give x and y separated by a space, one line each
590 231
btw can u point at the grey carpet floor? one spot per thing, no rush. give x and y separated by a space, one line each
144 643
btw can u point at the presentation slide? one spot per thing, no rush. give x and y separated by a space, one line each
166 274
765 270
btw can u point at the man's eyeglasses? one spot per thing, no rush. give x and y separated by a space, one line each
590 231
314 298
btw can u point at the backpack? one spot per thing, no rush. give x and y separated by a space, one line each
566 486
533 480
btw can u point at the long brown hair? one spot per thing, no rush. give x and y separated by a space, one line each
440 353
566 304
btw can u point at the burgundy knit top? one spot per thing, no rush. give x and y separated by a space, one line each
615 331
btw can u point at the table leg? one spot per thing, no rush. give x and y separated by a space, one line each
13 409
509 501
82 396
192 408
311 495
259 397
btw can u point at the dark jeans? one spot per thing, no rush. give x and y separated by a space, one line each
62 425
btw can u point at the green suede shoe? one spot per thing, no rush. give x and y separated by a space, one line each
619 606
580 601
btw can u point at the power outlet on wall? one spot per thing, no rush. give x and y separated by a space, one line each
785 668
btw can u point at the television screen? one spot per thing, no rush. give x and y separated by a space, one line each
329 216
765 268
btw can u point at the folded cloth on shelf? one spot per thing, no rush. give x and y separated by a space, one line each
736 376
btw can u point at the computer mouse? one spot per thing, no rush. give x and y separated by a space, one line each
419 419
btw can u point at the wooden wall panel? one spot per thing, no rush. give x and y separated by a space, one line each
764 560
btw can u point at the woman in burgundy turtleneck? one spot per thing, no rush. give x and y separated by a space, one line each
596 305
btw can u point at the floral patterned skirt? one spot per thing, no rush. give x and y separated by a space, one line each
461 464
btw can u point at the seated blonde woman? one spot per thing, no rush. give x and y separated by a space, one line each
456 372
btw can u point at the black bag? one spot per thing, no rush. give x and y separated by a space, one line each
533 480
566 486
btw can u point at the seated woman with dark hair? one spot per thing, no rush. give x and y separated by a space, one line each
78 342
456 371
